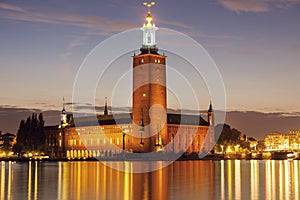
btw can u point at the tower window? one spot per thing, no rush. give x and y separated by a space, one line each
149 38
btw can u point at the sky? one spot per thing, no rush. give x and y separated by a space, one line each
254 43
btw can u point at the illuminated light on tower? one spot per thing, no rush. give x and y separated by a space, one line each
149 29
149 90
63 116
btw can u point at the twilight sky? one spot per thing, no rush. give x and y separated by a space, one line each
255 44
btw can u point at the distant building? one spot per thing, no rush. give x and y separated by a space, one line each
283 142
294 139
133 132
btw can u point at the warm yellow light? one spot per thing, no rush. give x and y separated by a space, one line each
149 19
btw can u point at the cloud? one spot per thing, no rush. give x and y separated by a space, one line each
245 5
174 23
92 23
257 5
285 4
9 7
203 35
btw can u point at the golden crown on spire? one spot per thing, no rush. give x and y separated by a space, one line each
149 17
149 5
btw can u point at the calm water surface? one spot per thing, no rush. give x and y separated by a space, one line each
182 180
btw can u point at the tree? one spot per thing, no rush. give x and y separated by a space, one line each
31 135
231 137
6 146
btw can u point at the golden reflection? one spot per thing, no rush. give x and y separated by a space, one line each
35 180
296 178
29 181
273 178
79 174
127 183
159 183
280 180
146 187
222 180
237 173
181 180
229 179
59 186
2 179
287 178
268 176
104 181
97 178
254 179
118 180
111 180
9 180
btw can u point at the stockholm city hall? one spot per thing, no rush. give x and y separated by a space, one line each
149 128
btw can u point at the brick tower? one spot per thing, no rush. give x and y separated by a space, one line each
149 92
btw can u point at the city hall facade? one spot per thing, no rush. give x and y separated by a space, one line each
148 128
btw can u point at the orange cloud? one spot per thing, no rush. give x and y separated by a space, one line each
257 5
245 5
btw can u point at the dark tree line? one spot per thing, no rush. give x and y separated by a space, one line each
231 136
31 135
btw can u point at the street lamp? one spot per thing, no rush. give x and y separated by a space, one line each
173 145
222 147
124 134
142 129
236 147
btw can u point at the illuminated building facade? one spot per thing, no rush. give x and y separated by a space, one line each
148 128
294 139
149 90
283 142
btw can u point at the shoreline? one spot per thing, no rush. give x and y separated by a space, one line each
132 160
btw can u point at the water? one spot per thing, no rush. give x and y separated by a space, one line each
232 179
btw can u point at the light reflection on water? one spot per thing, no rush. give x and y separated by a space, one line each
231 179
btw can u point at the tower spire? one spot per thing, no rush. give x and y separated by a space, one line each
63 115
210 106
105 107
64 103
149 29
210 115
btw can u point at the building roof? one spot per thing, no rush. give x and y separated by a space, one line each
126 118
